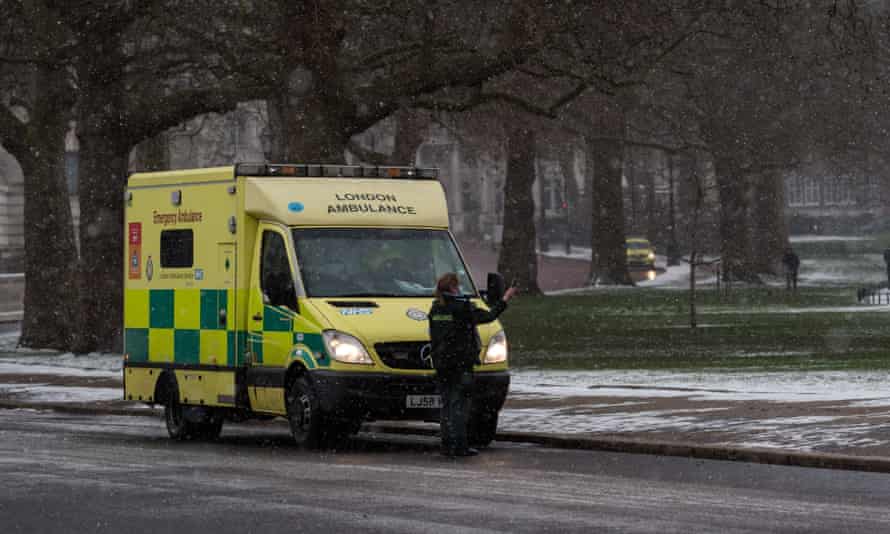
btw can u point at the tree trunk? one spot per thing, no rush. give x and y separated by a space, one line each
609 262
770 231
652 221
103 173
735 233
320 119
152 154
104 156
321 136
50 253
517 259
278 112
408 138
698 200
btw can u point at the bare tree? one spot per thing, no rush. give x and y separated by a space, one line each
34 119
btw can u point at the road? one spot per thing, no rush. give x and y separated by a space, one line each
68 473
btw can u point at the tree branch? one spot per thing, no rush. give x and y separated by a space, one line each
13 134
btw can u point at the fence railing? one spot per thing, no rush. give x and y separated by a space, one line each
873 295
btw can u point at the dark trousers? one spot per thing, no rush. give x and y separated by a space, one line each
455 388
791 280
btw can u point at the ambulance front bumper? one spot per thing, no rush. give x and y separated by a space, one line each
384 396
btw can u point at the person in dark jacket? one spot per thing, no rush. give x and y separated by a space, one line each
792 266
455 350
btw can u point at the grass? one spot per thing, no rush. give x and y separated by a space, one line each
745 328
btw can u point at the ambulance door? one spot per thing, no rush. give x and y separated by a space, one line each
272 309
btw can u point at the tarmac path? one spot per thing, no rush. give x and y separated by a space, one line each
76 473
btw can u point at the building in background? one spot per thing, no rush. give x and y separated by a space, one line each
12 215
826 203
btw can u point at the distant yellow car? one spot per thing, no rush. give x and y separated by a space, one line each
640 253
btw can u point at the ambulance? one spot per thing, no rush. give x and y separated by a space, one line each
297 291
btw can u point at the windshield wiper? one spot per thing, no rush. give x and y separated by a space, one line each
370 295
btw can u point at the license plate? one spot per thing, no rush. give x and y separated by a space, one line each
423 401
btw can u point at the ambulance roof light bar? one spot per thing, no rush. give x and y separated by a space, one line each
335 171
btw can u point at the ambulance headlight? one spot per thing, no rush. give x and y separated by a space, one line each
345 348
651 256
497 348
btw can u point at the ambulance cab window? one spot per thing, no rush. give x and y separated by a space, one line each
177 248
376 262
275 275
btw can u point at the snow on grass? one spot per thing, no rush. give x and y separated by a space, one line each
823 238
8 341
875 308
52 393
93 364
769 354
706 386
677 277
557 251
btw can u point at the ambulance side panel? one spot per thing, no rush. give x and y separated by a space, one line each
181 293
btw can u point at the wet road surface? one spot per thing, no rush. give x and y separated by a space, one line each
65 473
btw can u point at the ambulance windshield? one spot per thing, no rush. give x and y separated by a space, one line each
376 262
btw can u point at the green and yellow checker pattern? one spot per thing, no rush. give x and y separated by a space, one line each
183 326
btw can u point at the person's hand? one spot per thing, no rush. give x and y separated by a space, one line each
508 294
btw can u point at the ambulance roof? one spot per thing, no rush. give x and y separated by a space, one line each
188 176
325 195
347 201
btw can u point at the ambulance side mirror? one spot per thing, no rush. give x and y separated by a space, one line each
495 287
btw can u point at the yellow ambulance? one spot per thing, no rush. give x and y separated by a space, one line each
299 291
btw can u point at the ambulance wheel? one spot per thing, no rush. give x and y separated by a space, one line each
303 414
178 427
482 428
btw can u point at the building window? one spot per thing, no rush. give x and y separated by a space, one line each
839 191
810 191
872 191
177 248
794 187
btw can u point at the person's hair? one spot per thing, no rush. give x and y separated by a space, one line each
444 285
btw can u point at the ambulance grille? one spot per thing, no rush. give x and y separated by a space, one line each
405 354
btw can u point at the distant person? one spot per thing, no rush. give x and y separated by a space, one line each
455 350
792 266
887 261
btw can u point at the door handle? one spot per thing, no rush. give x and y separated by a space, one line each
257 317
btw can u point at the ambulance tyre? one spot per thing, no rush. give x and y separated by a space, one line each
304 415
482 428
178 427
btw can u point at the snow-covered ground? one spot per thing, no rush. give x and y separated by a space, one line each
36 392
706 386
90 365
825 238
576 253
